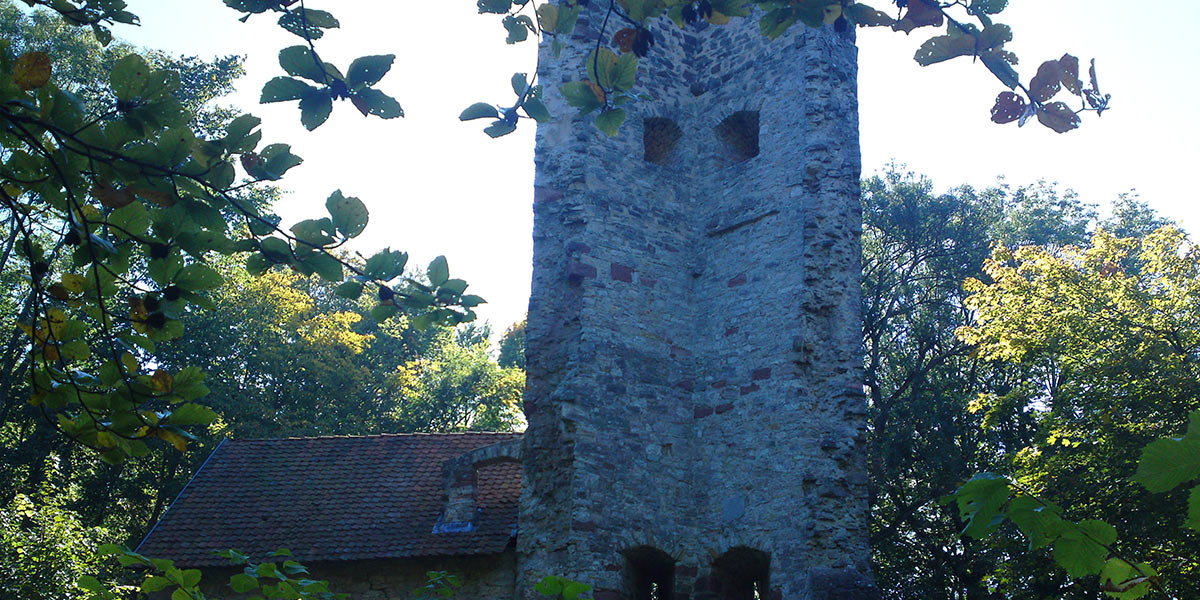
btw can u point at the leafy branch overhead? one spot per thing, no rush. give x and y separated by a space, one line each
303 63
602 90
117 215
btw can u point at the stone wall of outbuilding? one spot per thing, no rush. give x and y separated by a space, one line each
485 577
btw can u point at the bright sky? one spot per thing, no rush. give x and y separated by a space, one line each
438 186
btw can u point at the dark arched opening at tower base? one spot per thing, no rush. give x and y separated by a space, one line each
649 574
742 573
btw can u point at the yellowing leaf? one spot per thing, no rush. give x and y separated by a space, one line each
73 282
129 363
32 70
832 13
548 17
175 439
57 320
161 382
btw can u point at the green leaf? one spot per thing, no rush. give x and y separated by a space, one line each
453 286
1167 463
624 72
944 47
300 61
191 414
314 231
91 584
349 289
386 264
499 128
380 104
519 27
610 121
580 95
479 110
979 501
315 107
242 126
328 267
520 83
175 145
989 7
129 77
278 158
308 23
1040 523
381 312
276 250
281 89
861 14
537 110
1120 575
601 67
197 276
190 578
496 7
243 583
366 71
1081 549
999 63
1193 513
438 271
349 214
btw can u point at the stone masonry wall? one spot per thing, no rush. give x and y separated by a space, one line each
694 383
483 577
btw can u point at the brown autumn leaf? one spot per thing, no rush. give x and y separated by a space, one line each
1009 107
161 382
110 196
624 39
921 13
32 70
1070 74
1058 116
597 90
1046 83
160 198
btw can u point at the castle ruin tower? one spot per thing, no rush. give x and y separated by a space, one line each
694 398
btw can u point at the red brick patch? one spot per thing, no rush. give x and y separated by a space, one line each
739 280
760 374
542 194
747 389
578 271
621 272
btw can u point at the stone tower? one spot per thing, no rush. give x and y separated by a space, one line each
695 394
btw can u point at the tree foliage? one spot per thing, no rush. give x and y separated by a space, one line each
1113 328
118 210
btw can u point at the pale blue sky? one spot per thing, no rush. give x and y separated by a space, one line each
438 186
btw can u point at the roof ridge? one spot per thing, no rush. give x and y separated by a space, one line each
379 435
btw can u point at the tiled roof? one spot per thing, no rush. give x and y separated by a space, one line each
334 498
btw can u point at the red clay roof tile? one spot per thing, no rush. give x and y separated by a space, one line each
334 498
